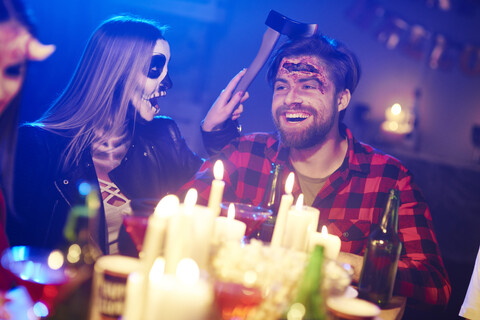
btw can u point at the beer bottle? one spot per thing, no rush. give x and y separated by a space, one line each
80 253
271 201
310 298
381 256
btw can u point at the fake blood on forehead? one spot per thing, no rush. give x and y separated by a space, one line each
304 67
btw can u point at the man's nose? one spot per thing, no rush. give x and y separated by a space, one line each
292 97
166 82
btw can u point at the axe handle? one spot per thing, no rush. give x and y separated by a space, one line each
270 38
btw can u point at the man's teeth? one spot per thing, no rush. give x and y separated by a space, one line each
296 117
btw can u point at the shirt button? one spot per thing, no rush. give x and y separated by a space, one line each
346 234
65 181
145 154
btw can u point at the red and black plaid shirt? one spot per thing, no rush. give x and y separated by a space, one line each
350 204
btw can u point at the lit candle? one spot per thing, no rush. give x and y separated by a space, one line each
183 296
156 229
285 205
216 192
229 229
135 295
330 242
203 226
301 222
395 113
179 244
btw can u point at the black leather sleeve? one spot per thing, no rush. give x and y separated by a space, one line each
214 141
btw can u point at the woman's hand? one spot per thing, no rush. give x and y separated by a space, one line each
226 106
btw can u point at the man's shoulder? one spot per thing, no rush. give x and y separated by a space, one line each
366 154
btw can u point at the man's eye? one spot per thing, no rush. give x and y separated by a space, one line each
279 87
14 71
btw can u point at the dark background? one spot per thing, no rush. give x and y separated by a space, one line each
211 40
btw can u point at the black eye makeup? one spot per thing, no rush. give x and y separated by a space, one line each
14 70
156 66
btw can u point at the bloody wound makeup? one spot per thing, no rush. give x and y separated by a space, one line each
304 67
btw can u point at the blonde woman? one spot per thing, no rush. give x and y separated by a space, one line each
104 129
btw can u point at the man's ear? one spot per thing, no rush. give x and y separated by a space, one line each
343 99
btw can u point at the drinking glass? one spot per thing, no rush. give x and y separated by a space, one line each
136 227
252 216
43 273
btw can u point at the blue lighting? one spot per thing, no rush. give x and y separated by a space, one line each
40 309
84 188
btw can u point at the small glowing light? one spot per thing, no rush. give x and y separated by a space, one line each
84 188
231 211
190 201
55 260
393 126
218 170
296 311
40 309
250 278
396 109
324 231
188 272
158 269
167 206
74 253
299 204
289 183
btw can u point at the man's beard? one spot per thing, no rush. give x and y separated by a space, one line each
309 136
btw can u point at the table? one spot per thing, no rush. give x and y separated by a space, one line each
395 310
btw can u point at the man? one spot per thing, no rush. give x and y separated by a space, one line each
313 80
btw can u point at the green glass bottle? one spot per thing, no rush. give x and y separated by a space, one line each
310 296
80 254
381 257
271 201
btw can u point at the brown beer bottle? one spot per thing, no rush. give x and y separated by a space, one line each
271 201
381 256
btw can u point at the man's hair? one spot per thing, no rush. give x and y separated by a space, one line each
99 92
341 63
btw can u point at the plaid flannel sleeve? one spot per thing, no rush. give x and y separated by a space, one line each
421 274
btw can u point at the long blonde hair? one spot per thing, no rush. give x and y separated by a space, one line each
98 95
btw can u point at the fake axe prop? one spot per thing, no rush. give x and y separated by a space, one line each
277 25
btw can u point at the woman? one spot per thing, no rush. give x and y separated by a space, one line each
103 129
17 46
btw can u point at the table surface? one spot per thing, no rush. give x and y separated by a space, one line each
395 310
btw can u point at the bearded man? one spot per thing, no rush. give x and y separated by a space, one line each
313 80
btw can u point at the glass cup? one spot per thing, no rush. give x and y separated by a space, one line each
252 216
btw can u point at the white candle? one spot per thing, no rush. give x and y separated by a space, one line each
229 229
285 205
135 296
203 226
301 222
330 242
179 244
216 192
156 229
183 296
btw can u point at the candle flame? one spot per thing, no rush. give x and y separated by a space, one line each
299 204
167 206
396 109
218 170
324 231
190 200
158 269
231 211
188 272
289 183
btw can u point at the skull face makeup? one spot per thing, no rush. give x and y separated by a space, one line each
16 47
156 82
